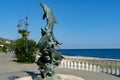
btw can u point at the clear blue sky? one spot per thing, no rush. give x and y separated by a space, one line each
81 23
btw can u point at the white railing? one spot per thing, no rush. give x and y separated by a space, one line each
110 66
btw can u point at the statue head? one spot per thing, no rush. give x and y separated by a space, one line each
48 13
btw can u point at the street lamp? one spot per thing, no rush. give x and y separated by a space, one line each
24 31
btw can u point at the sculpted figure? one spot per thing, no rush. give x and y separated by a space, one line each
49 58
48 15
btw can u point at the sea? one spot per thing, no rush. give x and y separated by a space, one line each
99 53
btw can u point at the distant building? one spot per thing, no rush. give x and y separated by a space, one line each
8 42
1 45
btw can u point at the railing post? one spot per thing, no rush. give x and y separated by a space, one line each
107 66
102 64
111 68
119 69
61 64
71 64
116 69
97 66
94 66
68 63
90 65
74 63
79 64
65 64
83 65
87 65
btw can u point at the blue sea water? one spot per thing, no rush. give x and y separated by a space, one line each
100 53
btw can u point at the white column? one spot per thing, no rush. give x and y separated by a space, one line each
68 64
87 66
79 65
90 66
111 68
116 69
61 64
83 65
119 70
75 64
102 63
94 67
107 67
71 64
65 64
98 68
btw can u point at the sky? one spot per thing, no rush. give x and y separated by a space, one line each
81 23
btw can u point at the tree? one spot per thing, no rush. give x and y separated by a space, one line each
20 50
25 48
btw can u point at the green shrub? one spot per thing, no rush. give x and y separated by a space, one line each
4 48
0 49
20 51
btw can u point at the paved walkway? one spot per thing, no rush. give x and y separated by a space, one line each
10 70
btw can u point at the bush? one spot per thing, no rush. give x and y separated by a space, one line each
0 49
4 49
20 51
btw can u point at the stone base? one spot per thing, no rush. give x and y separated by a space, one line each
70 77
55 77
25 78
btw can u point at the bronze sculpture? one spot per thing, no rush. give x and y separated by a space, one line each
49 58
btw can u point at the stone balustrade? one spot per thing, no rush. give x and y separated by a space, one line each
110 66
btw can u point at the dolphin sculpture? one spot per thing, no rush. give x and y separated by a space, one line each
50 22
49 58
49 17
43 42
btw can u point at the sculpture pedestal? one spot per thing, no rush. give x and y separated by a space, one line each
55 77
70 77
61 77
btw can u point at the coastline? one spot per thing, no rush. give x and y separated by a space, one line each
113 54
90 58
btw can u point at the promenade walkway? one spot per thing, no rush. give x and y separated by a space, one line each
10 70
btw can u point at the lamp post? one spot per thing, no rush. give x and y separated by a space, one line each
24 31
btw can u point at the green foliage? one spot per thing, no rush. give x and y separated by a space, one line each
7 46
4 48
0 49
20 50
24 33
